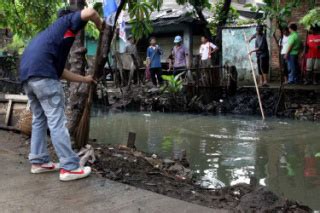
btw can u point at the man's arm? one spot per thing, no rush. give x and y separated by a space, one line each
70 76
214 48
160 50
251 38
90 14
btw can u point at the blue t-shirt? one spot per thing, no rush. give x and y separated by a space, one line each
154 54
47 53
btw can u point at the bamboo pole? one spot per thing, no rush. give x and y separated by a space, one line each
254 76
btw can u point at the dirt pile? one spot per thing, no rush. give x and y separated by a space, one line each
148 98
171 178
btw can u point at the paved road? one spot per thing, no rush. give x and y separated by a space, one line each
21 191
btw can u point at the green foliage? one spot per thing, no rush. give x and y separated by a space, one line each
218 16
27 17
174 83
139 12
92 31
311 19
275 10
17 44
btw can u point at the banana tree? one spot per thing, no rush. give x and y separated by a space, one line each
311 19
174 84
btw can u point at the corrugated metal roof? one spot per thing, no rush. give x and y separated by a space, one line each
185 13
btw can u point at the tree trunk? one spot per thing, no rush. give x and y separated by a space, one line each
81 133
77 63
223 21
207 32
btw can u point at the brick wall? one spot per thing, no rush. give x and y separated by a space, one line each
297 14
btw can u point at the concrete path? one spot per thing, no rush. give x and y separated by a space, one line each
21 191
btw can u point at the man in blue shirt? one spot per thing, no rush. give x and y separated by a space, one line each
154 53
42 66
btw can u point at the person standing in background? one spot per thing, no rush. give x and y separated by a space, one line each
154 53
206 50
180 55
313 56
292 55
262 51
283 43
131 48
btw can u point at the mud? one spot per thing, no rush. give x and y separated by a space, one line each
171 178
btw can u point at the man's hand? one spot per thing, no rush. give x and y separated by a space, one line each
89 79
69 76
101 25
286 56
90 14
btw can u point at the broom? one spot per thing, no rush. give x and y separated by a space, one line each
82 131
105 38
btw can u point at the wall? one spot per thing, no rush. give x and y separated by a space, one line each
91 46
234 51
297 14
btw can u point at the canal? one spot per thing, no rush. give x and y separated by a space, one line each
281 154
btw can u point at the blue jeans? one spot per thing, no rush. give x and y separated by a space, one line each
293 68
46 99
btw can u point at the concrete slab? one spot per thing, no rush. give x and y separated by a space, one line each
21 191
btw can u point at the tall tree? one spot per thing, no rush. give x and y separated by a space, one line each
27 17
77 63
223 17
199 6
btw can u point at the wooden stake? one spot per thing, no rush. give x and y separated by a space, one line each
8 115
10 128
131 140
254 76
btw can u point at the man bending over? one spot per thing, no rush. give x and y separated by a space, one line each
41 68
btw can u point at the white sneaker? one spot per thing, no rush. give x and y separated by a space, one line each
46 167
79 173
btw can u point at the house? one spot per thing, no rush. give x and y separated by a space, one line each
174 19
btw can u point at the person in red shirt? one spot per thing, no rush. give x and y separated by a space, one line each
313 56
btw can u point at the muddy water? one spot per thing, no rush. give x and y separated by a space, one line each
279 153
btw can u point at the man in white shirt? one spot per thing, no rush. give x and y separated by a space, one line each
206 50
283 43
